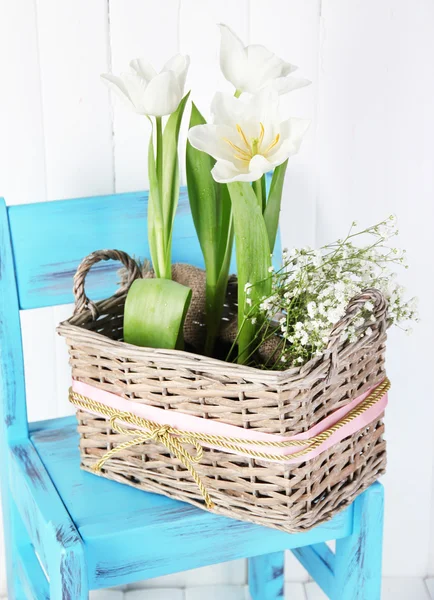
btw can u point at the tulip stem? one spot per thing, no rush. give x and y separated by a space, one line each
257 188
159 129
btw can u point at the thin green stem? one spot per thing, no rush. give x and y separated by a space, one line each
264 195
159 144
164 237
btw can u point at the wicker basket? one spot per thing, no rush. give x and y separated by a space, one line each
291 497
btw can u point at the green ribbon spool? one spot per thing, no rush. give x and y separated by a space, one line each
155 311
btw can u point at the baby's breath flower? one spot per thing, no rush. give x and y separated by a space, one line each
314 287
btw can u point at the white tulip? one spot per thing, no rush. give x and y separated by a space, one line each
150 93
247 138
251 68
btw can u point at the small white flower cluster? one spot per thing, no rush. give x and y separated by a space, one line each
311 292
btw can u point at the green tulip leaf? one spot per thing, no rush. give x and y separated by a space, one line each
272 209
170 183
155 311
212 216
253 260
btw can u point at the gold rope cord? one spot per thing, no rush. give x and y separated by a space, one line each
174 439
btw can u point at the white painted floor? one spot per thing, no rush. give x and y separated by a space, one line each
403 588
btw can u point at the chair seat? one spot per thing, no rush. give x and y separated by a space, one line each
130 535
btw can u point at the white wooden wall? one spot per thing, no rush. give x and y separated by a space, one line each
369 153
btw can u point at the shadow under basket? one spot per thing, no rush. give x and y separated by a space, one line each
290 497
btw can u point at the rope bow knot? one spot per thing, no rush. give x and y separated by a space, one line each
169 437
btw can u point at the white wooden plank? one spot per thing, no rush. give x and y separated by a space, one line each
200 39
228 592
39 360
375 158
295 591
291 30
314 592
155 594
77 123
294 571
22 156
106 595
140 28
403 588
63 370
429 583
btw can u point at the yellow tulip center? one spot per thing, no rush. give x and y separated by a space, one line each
253 146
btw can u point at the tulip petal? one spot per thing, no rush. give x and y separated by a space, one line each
143 68
294 128
226 172
233 58
263 108
163 95
117 85
136 87
211 139
283 85
292 132
287 68
259 165
227 109
263 67
179 64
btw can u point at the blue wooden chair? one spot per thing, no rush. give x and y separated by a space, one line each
67 531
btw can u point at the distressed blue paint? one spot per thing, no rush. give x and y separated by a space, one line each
49 526
32 580
48 255
180 533
318 560
13 417
359 556
90 532
266 576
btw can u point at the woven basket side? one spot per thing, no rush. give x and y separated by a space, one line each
286 402
289 497
212 390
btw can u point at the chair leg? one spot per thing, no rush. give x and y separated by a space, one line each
358 557
12 530
266 576
67 566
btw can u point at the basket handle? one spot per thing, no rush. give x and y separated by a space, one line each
379 312
82 302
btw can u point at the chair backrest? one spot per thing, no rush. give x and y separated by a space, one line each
41 246
49 239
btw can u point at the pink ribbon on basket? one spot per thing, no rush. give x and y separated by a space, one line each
191 424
